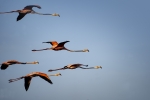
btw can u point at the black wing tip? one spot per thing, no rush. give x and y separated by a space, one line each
67 41
51 82
33 50
45 42
38 6
26 89
18 19
3 67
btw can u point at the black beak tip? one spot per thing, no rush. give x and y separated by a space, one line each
49 70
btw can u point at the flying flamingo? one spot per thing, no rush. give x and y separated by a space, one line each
28 77
74 66
60 46
4 65
27 10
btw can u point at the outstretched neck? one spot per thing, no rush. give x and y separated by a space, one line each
30 63
76 51
52 75
26 63
58 74
85 50
70 50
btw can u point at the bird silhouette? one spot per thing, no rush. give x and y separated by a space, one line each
70 66
4 65
28 77
74 66
26 10
60 46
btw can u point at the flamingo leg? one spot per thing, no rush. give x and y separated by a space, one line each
41 49
12 80
56 69
7 12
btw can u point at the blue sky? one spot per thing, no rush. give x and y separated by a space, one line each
116 32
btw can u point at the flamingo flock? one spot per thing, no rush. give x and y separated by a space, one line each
55 46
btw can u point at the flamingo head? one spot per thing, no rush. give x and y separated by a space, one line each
58 74
55 14
97 67
36 62
86 50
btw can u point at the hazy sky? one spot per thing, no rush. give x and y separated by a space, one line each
117 33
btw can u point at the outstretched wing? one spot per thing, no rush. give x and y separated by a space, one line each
61 44
31 6
12 61
45 77
4 66
27 81
20 16
77 65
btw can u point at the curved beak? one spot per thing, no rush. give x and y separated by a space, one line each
36 62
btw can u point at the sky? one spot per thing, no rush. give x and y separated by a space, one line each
116 32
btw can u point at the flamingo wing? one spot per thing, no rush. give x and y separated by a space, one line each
4 66
12 61
77 65
45 77
31 6
20 16
27 81
61 44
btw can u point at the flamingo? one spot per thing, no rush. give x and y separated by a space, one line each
27 10
74 66
60 46
28 77
4 65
